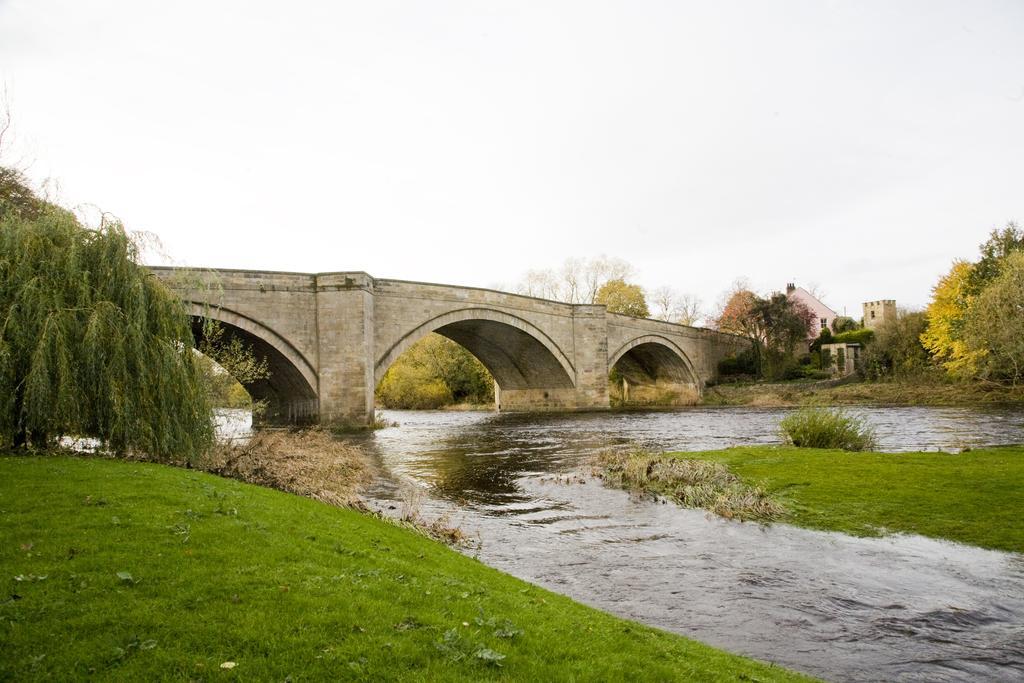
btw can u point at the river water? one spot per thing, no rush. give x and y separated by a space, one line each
902 608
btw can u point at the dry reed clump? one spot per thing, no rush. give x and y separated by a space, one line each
314 463
691 483
308 462
440 529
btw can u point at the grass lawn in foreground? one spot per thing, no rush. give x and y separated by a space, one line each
132 571
975 497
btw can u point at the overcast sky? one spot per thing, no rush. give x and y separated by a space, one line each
860 145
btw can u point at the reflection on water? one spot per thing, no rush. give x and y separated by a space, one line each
481 457
844 608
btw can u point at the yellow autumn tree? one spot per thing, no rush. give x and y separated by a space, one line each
622 297
947 314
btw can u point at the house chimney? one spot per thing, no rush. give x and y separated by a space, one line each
790 287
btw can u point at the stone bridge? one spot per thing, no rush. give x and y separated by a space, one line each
330 337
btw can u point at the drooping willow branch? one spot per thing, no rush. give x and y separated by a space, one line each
91 344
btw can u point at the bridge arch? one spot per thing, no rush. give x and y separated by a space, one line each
658 365
290 391
517 354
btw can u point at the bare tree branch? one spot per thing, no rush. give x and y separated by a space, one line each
578 280
5 118
676 307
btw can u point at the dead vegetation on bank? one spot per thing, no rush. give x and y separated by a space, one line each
307 462
690 483
923 391
440 529
316 464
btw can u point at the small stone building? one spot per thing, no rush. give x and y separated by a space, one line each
843 358
877 312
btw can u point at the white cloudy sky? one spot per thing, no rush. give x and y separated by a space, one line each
858 145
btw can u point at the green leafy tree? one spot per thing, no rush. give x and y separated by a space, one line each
844 324
433 373
224 390
737 317
896 350
962 333
411 386
999 245
235 357
466 377
994 324
783 324
622 297
91 344
17 198
824 337
775 325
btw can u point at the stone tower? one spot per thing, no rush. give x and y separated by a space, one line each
877 312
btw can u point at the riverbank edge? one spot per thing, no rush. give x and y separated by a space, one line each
141 570
850 391
930 392
973 497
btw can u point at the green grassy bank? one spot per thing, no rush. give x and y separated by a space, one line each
975 497
132 571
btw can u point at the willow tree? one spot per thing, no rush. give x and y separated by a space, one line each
91 344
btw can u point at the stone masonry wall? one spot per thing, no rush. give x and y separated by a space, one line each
348 327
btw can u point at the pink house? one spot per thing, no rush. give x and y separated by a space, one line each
823 315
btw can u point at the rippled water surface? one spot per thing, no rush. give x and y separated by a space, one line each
902 608
839 607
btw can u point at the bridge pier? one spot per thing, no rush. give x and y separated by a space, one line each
346 320
590 341
588 327
345 335
536 400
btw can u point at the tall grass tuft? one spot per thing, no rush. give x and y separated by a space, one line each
827 428
690 483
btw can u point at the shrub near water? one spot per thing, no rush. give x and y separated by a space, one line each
825 428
